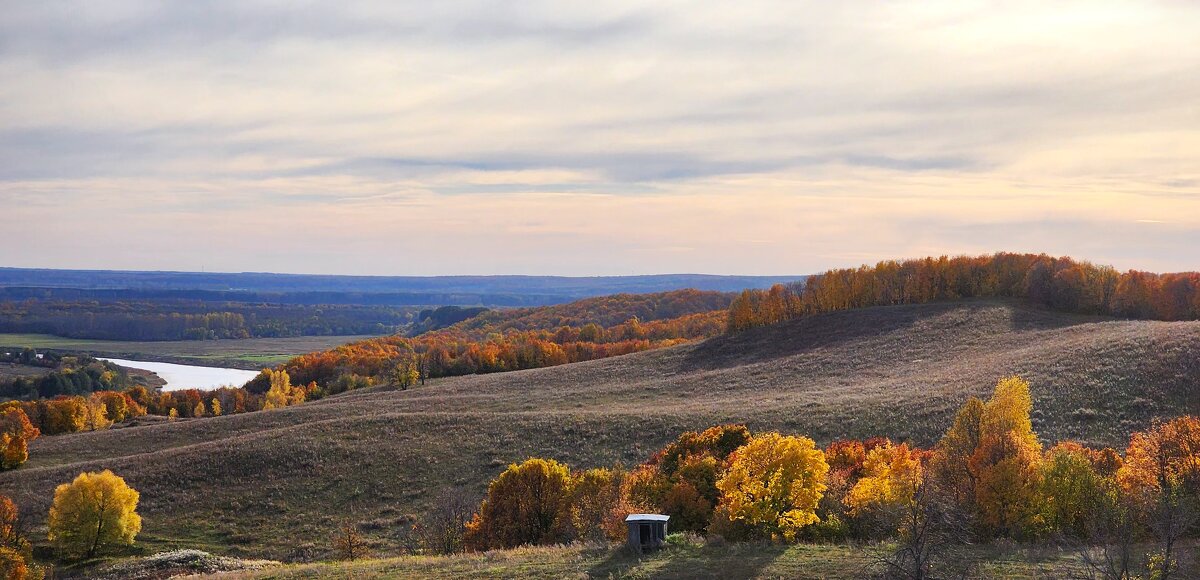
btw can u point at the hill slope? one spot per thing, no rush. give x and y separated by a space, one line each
273 484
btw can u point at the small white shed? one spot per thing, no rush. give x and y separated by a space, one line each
647 531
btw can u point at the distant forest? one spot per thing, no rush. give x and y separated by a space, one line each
117 305
384 290
195 320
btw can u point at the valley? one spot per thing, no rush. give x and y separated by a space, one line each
273 484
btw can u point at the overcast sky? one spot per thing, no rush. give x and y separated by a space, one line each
583 138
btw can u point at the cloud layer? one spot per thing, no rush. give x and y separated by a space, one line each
597 138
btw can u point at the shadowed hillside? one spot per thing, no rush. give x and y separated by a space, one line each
276 482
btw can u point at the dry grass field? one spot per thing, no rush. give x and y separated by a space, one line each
687 558
275 484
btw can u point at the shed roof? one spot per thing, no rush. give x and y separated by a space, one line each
646 518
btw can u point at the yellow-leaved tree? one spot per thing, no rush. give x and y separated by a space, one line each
949 465
1006 465
891 475
96 510
771 488
282 393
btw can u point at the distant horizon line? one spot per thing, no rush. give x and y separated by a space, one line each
251 272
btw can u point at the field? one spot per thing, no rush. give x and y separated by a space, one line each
250 353
15 370
685 558
274 484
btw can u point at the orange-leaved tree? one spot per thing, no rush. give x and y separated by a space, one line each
16 431
16 554
1006 464
1164 458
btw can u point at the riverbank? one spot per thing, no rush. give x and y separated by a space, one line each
176 377
246 354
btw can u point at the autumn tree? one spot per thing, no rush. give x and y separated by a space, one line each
1160 478
593 506
16 432
950 465
771 488
1071 491
405 373
66 415
348 543
281 393
1058 283
16 554
1167 455
891 475
13 565
96 417
1006 464
92 512
523 506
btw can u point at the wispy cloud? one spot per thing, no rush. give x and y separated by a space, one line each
616 137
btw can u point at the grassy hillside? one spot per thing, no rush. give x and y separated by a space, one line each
274 484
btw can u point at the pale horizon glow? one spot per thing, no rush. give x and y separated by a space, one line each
551 138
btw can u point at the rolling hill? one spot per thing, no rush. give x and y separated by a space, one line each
274 484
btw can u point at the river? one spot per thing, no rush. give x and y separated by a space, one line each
189 376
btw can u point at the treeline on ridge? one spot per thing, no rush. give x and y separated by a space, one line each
506 340
1061 284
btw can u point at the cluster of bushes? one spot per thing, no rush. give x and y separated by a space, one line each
93 512
987 478
71 375
507 340
1059 283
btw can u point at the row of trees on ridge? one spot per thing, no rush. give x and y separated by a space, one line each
1058 283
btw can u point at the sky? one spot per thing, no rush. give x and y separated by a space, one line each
595 138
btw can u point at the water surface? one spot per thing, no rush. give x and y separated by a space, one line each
189 376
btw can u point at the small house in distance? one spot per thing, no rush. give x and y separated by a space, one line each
647 531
